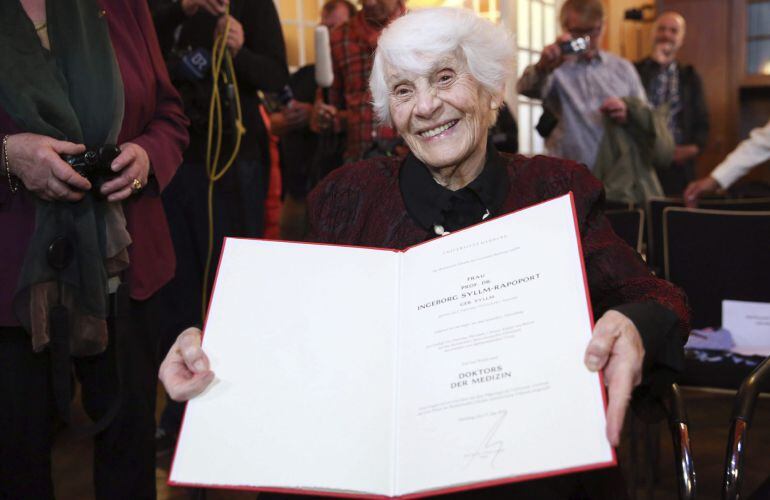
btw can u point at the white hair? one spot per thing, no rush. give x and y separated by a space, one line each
415 41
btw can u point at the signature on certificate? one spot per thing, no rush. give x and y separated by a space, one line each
490 447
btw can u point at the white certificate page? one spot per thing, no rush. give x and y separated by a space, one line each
302 341
492 385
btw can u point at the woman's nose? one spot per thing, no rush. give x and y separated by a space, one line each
427 103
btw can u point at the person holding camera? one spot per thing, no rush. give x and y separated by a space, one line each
596 96
91 131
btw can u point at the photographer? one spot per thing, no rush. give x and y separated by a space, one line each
604 120
186 30
75 247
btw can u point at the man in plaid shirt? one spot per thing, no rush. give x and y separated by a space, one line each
350 109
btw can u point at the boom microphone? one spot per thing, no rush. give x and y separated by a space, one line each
324 75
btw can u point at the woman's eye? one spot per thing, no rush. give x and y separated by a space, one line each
445 77
402 91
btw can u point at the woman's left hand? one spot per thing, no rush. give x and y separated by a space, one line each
133 167
616 348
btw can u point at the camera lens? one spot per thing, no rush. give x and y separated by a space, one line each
91 157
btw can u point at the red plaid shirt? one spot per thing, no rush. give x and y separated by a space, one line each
352 47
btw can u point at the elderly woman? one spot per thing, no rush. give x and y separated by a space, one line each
76 73
439 77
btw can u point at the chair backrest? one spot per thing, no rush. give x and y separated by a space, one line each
629 225
715 255
617 205
742 204
656 206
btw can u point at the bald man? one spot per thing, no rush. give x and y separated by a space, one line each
667 81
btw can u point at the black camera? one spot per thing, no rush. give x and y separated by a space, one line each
575 46
94 164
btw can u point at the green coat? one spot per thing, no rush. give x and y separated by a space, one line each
629 153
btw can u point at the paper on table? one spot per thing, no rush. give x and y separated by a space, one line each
749 325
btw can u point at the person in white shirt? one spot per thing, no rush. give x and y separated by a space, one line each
748 154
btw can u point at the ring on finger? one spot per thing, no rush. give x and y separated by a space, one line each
136 185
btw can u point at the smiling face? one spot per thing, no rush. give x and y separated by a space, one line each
668 33
442 115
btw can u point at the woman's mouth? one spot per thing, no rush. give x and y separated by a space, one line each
436 131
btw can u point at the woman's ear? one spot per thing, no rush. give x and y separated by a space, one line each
497 101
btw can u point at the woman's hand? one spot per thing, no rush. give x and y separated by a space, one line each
616 348
134 167
185 371
36 161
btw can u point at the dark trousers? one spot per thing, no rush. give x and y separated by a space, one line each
124 453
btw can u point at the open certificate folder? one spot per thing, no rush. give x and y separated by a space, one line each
456 363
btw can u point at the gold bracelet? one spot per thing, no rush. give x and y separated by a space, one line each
13 186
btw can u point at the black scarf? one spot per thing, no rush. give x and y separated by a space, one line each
73 92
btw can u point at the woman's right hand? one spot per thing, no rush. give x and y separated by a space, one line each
185 371
36 161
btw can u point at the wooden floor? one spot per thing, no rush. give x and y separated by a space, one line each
709 416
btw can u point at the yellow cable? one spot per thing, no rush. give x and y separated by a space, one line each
220 55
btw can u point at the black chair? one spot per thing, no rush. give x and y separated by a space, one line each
656 206
672 400
629 225
654 210
740 421
617 205
715 255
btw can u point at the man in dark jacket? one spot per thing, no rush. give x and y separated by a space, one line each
667 81
186 30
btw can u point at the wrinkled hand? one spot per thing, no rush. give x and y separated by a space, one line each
213 7
323 117
696 189
234 38
35 160
615 108
185 371
616 348
132 163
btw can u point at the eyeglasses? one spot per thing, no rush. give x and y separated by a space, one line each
580 32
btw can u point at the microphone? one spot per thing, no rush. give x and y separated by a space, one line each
324 75
195 65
